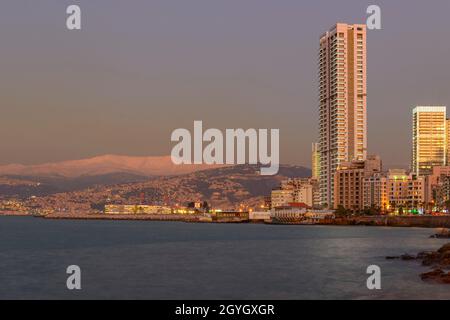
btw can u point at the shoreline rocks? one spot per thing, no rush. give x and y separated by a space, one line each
442 234
436 275
438 260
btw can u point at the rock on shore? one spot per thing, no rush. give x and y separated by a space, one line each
436 275
442 234
438 260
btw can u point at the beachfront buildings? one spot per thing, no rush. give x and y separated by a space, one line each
300 215
437 190
429 139
405 191
349 182
395 191
280 197
375 193
342 106
362 185
125 209
296 190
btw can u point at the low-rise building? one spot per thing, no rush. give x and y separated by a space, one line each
375 193
231 216
298 190
281 197
259 216
137 209
349 182
405 192
395 192
437 189
301 215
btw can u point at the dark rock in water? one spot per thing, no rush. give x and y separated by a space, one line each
445 259
422 255
392 257
437 275
444 248
407 257
439 260
442 234
431 258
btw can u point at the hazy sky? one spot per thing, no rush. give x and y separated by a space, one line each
140 69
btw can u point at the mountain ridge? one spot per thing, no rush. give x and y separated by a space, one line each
105 164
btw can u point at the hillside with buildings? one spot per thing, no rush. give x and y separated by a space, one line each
226 187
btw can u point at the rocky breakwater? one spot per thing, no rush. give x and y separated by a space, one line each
439 261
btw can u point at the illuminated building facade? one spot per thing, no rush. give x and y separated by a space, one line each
429 139
375 193
406 192
437 191
447 127
315 161
349 182
395 192
343 101
281 197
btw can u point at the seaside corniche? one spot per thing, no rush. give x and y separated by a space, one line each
442 223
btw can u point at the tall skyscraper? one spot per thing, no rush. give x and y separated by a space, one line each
429 139
315 161
447 127
343 102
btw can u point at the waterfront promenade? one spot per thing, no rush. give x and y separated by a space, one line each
380 221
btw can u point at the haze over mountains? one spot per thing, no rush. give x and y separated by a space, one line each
103 165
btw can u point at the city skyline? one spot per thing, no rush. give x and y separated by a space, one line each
81 90
235 150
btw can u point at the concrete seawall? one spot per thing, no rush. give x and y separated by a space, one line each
150 217
389 221
147 217
396 221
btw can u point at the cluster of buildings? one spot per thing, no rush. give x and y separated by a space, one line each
11 206
296 190
196 209
137 209
346 176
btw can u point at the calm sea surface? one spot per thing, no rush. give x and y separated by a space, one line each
171 260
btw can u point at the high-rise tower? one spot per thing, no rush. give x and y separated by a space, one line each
429 139
343 101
